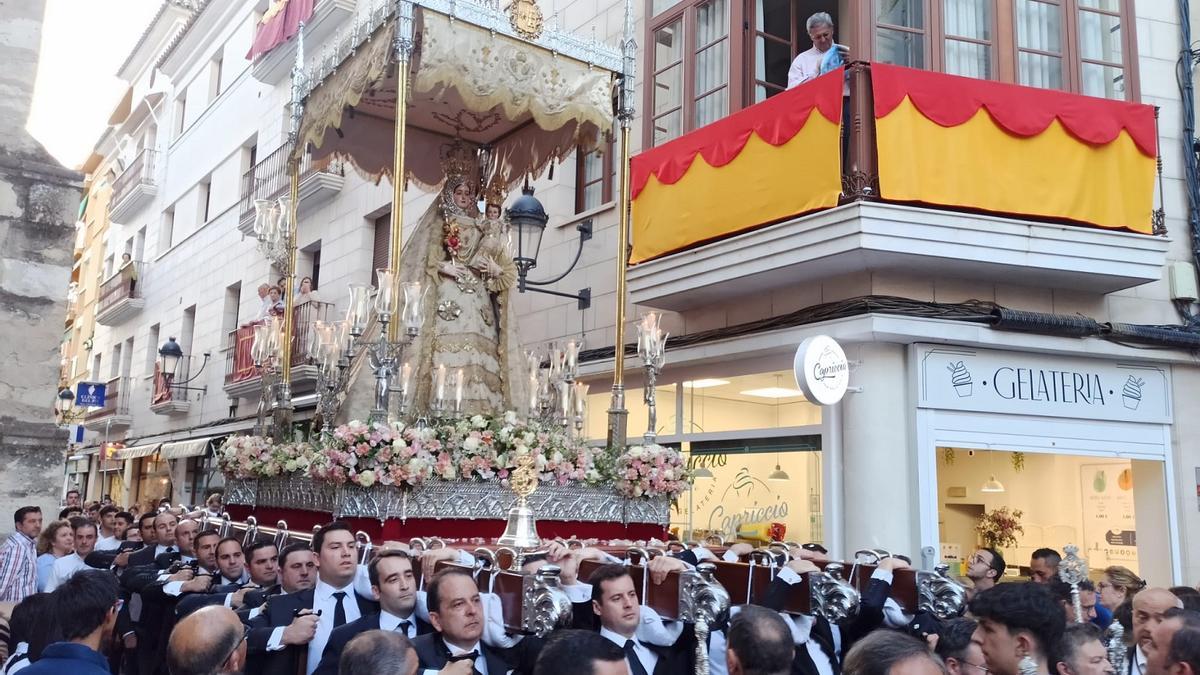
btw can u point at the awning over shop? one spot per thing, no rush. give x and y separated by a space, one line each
136 451
195 447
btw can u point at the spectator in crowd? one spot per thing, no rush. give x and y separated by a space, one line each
33 626
70 512
1189 596
1082 652
984 569
961 654
18 556
92 511
1061 591
1175 623
208 641
1043 565
147 528
1117 586
67 566
129 273
888 652
86 607
123 521
73 498
1183 656
1150 607
56 541
807 65
394 587
759 642
1019 625
275 297
212 505
107 539
380 651
264 300
583 652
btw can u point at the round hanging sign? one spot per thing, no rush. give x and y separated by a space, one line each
821 369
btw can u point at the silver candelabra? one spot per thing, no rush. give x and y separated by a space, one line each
652 342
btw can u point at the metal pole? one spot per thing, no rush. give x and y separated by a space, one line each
618 416
404 49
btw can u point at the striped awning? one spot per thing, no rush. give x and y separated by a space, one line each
136 451
195 447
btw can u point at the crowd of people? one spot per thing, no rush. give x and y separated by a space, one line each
106 592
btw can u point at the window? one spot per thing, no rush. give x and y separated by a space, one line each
778 34
1040 43
166 230
229 314
382 242
1101 48
114 368
968 27
691 72
203 197
152 349
900 32
214 79
593 177
181 113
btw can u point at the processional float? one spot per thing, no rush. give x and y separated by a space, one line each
471 100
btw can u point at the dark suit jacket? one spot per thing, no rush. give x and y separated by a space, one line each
344 634
677 658
279 611
433 655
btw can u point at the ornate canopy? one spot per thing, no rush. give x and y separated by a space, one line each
475 75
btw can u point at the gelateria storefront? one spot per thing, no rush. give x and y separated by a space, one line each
754 443
1079 446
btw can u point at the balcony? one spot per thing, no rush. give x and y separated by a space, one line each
121 295
135 188
319 181
242 379
328 15
1044 188
115 412
167 398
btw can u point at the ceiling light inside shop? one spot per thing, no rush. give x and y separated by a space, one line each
992 485
702 473
704 383
773 392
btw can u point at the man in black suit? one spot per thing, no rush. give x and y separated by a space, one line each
760 641
615 603
395 588
261 569
456 612
298 625
296 571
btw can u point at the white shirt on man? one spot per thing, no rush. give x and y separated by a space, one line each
64 568
390 622
806 66
324 602
108 543
480 660
645 655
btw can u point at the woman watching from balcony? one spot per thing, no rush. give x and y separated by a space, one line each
276 301
129 272
56 541
306 292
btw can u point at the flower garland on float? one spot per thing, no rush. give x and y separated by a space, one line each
478 448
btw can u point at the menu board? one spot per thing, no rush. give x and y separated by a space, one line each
1109 526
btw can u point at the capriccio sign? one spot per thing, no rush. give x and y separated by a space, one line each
821 369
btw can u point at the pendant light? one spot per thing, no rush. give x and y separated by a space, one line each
991 485
778 474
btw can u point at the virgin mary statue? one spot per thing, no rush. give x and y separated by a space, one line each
468 325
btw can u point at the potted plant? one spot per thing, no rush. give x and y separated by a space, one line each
999 527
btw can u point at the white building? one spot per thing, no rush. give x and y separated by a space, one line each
900 463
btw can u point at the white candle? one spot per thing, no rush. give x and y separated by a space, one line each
405 379
458 389
533 393
440 384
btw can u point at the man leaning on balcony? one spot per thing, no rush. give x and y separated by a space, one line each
817 60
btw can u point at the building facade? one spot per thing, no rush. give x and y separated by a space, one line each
900 463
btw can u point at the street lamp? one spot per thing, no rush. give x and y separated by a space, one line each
169 356
528 218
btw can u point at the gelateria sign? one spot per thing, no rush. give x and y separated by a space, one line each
1024 383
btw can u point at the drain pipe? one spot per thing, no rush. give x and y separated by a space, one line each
1187 96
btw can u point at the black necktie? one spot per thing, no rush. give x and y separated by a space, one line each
635 665
402 627
339 612
469 656
170 549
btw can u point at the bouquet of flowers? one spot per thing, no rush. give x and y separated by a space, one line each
999 528
651 471
247 457
352 454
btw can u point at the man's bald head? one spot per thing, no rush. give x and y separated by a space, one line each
209 640
1148 609
377 651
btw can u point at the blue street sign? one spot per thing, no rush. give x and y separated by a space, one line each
89 395
76 433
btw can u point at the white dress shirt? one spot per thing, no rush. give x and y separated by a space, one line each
480 661
64 568
324 601
645 655
390 622
1137 665
108 543
805 67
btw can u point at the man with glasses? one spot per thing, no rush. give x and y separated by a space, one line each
984 569
961 654
209 640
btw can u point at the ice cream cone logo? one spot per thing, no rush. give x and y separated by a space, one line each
960 377
1131 393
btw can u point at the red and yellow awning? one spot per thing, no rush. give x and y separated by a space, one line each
770 161
961 142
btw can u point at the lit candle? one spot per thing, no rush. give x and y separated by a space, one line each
440 384
564 397
458 389
405 379
533 393
581 391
